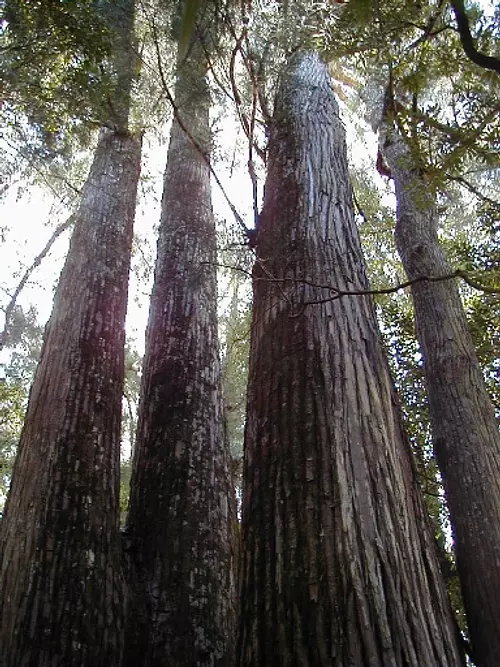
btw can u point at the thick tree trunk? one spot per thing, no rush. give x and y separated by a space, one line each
464 428
179 524
338 564
62 599
62 594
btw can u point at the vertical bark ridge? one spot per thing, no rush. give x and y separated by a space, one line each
331 507
180 517
62 594
60 564
464 427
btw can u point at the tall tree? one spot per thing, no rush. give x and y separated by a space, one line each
338 564
180 513
62 593
465 431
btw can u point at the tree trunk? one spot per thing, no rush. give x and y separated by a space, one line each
338 563
62 593
179 523
464 428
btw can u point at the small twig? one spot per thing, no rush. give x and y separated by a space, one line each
428 29
216 77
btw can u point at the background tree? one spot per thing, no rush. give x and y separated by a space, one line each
464 426
396 318
445 115
62 596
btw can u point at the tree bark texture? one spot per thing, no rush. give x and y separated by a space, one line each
62 597
180 519
62 594
464 428
338 564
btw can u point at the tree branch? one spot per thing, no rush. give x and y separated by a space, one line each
339 293
469 47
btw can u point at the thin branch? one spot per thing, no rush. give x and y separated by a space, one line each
27 274
396 288
34 163
251 141
358 207
472 188
428 30
215 76
339 293
131 420
256 88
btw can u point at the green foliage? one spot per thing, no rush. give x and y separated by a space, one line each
52 68
24 341
446 107
130 407
236 338
131 393
13 398
125 477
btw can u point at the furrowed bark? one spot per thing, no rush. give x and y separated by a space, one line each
60 563
464 427
338 563
61 588
180 516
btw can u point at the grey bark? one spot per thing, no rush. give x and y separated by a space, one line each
60 565
180 518
338 564
464 428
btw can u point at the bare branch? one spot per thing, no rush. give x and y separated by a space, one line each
27 274
359 207
339 293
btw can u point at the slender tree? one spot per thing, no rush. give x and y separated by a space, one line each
62 593
338 563
180 513
465 431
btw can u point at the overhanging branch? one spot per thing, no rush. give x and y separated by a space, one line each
469 47
337 293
